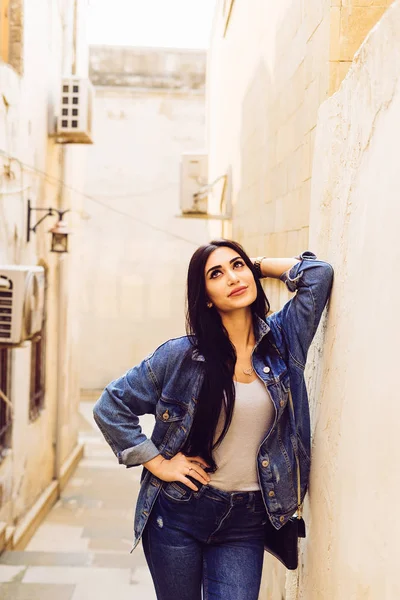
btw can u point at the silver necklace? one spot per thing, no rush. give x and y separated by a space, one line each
248 371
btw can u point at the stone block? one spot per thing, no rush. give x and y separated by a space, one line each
70 464
292 243
279 221
355 23
312 146
74 575
338 71
318 51
30 522
33 591
122 591
8 572
289 25
295 170
304 204
296 211
364 3
268 216
279 177
311 105
3 529
315 12
302 240
334 34
306 158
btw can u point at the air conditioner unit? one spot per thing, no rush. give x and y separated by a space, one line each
21 302
74 120
194 177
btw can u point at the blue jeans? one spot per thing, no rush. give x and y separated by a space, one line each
209 539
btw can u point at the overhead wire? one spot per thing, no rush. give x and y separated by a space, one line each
54 179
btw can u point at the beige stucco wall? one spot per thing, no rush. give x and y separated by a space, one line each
351 551
267 76
26 111
149 112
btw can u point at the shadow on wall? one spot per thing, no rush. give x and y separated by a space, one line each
256 148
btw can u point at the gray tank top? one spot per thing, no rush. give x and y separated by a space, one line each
236 456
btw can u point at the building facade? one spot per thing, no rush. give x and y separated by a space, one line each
39 378
149 109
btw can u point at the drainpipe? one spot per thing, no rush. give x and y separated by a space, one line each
62 271
74 38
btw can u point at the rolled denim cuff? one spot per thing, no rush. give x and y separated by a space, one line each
137 455
291 277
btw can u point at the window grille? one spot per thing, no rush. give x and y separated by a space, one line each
38 366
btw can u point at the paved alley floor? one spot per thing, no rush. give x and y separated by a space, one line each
81 550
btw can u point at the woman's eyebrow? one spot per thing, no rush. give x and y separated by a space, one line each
220 266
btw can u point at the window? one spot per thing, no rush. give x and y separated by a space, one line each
38 363
11 33
5 403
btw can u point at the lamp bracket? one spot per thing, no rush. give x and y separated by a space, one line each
50 212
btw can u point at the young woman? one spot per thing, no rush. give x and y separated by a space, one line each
222 456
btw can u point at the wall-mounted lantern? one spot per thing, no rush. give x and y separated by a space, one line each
60 232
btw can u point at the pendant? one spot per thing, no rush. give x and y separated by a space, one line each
248 371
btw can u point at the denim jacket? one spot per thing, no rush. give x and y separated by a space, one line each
167 386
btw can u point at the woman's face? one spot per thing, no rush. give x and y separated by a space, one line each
230 284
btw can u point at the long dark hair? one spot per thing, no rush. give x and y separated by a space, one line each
206 331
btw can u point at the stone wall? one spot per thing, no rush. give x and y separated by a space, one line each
136 249
33 166
353 533
268 74
147 68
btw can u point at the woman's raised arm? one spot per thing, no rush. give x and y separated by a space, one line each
298 320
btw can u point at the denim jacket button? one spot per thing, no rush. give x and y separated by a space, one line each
266 369
265 463
271 494
165 415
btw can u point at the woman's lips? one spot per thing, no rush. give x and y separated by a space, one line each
239 292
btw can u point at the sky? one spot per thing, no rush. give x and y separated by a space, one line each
162 23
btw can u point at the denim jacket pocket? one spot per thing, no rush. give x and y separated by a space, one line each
169 415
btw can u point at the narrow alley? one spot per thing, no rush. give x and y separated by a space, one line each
81 550
196 195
